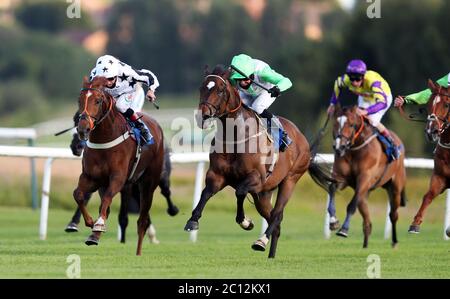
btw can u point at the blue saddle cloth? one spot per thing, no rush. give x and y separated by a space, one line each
390 150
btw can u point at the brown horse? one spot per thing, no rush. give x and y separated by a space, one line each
108 168
360 162
437 129
245 160
129 199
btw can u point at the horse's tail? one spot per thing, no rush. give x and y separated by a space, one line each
321 175
403 198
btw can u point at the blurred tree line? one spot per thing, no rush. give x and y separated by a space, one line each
176 39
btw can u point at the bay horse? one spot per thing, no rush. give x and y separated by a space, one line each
248 171
360 162
108 163
129 195
437 129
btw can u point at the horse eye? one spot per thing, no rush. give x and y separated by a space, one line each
98 101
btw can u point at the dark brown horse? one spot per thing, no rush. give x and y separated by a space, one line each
245 160
360 162
129 195
108 168
437 129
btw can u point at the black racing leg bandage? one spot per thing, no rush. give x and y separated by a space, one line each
128 113
266 114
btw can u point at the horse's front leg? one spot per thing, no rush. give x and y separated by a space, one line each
437 186
85 187
106 194
73 224
251 184
361 191
214 183
116 184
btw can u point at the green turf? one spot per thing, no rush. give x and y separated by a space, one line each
223 248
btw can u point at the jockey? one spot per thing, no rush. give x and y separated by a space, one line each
374 96
423 96
256 97
124 86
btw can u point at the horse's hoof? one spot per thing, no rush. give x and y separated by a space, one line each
259 246
172 211
91 240
447 231
414 229
247 224
191 225
334 225
342 233
72 227
251 226
394 245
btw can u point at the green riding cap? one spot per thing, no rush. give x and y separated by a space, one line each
245 64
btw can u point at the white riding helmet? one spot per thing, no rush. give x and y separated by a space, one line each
107 66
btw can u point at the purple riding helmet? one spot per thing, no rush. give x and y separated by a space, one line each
356 66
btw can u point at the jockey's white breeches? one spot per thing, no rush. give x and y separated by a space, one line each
257 103
375 118
134 100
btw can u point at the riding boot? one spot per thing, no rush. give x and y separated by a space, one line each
274 122
285 139
145 132
395 152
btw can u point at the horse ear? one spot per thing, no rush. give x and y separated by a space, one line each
206 71
432 85
337 109
85 81
227 73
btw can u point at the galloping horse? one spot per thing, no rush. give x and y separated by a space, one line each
129 194
109 158
437 129
248 171
361 164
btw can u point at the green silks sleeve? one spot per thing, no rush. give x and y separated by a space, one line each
269 75
423 96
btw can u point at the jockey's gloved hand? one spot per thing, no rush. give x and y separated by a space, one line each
274 91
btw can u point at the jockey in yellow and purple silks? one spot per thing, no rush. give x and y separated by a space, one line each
374 96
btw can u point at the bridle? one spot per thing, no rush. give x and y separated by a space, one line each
215 110
442 122
356 132
92 120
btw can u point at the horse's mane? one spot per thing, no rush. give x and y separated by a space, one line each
96 82
220 70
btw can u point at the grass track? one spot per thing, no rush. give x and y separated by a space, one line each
222 251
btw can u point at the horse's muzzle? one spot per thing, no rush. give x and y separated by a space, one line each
83 133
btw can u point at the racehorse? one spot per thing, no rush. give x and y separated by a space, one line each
248 171
437 129
129 194
360 162
109 159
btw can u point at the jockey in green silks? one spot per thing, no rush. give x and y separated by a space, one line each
257 98
423 96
